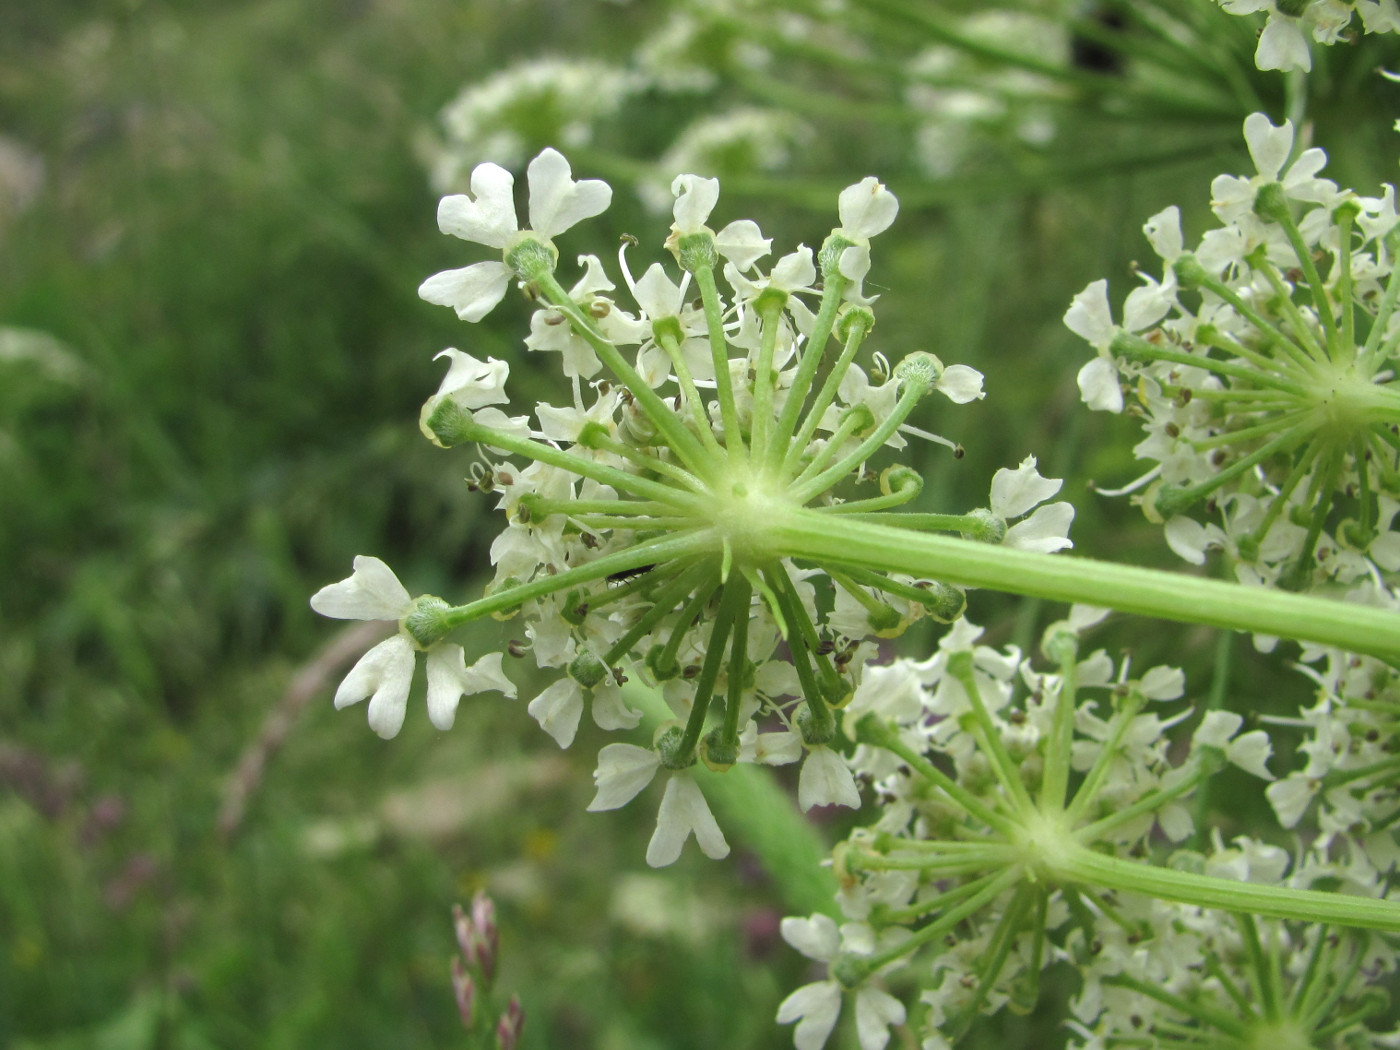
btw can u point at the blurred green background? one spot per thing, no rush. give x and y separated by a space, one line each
214 215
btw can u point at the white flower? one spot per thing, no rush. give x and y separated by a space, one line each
385 673
487 216
1014 492
741 242
1249 751
865 209
815 1007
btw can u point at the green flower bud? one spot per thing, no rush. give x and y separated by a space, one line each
587 670
696 251
717 753
425 624
668 746
984 527
920 370
530 259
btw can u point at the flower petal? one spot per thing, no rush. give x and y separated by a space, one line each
490 218
449 679
384 674
557 201
683 810
866 208
826 781
623 770
372 592
473 291
695 199
558 710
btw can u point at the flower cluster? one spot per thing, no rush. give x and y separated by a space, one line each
660 526
1262 364
1016 805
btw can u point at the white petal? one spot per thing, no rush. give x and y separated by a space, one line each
866 208
1089 316
826 781
961 384
449 679
817 937
558 710
1282 46
1164 233
384 674
609 710
815 1008
657 294
474 383
557 201
1098 385
1250 752
488 220
473 291
742 243
1014 492
1163 683
1047 530
1189 538
1269 146
623 770
372 592
1175 821
876 1010
1216 729
695 199
795 270
683 810
854 263
1290 797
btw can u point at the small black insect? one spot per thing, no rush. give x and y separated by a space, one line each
623 575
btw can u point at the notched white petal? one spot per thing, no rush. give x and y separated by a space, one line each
472 291
372 592
384 674
557 202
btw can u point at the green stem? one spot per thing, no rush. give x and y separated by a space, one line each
587 468
679 436
738 661
694 402
725 620
824 398
762 421
871 730
1084 865
832 293
807 487
1054 783
991 887
679 545
805 534
719 353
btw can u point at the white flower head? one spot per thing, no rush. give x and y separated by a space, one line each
487 216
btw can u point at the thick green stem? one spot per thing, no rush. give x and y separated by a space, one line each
1079 864
804 534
